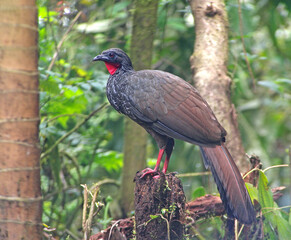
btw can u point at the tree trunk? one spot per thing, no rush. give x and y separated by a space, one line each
159 207
20 195
209 65
135 138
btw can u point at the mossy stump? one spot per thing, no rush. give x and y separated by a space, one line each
159 207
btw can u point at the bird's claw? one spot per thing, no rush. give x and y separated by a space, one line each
149 171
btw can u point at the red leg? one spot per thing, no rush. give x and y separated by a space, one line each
151 171
167 160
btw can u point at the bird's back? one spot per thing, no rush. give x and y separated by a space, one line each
171 106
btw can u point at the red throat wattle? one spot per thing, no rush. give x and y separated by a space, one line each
112 67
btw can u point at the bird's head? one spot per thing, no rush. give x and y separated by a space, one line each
114 58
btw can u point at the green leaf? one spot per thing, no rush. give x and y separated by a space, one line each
284 228
265 196
154 216
72 91
198 192
110 160
253 191
177 24
44 13
50 86
118 7
96 27
271 85
269 232
283 80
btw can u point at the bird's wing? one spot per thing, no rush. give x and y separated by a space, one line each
172 107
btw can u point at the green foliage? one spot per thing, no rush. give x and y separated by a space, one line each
198 192
265 196
73 87
275 222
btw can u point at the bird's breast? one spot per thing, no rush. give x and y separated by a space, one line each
118 94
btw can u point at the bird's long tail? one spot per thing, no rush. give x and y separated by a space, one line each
230 184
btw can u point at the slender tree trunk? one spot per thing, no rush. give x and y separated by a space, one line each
209 65
135 138
20 195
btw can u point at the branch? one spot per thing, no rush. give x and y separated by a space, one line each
62 40
195 174
198 209
86 224
73 130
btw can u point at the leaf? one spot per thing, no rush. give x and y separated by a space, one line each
44 13
269 232
253 191
283 80
284 228
198 192
271 85
118 7
250 105
50 86
96 27
110 160
177 24
265 196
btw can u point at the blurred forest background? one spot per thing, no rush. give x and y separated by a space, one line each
82 139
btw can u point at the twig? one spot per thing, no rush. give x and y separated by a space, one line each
73 130
48 196
65 115
107 181
168 225
88 223
75 163
196 174
240 231
252 170
290 167
84 205
235 229
62 40
266 169
111 228
244 46
275 166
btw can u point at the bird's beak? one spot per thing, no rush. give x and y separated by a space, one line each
97 58
100 57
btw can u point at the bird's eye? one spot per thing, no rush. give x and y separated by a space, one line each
111 55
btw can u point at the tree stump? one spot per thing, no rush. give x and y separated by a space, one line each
159 207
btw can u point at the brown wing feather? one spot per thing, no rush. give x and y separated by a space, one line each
176 108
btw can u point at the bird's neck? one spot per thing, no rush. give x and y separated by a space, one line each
112 67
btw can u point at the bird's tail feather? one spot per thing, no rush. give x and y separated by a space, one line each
230 184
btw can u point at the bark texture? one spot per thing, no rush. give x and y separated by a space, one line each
209 66
135 138
20 195
159 207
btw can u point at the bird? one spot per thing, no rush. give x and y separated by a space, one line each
169 108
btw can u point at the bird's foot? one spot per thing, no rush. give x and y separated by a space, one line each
149 171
